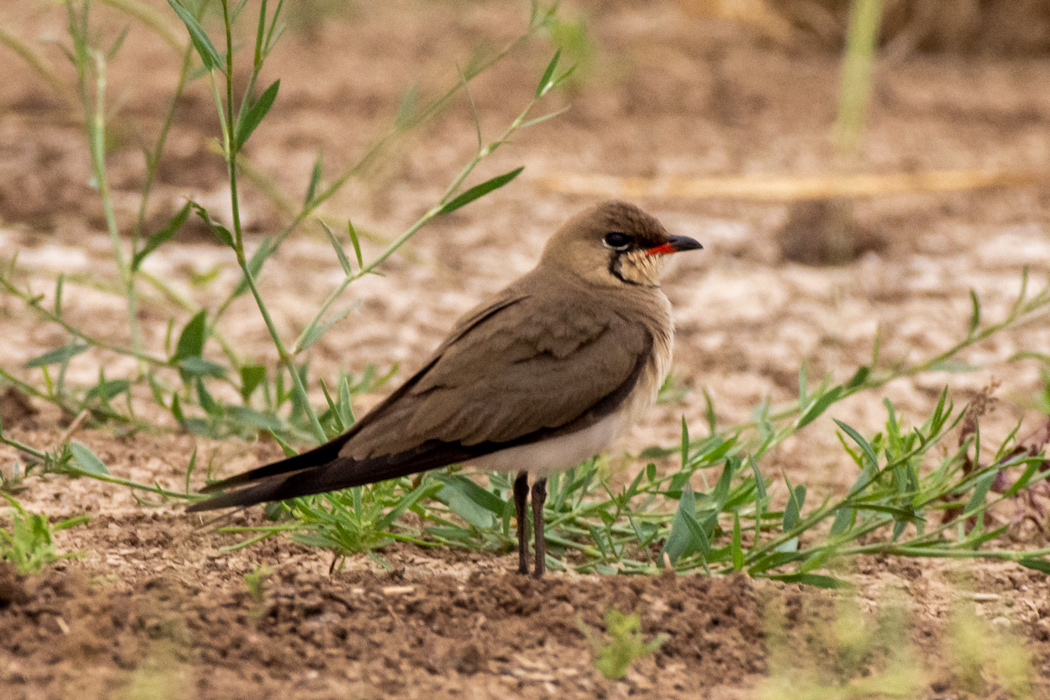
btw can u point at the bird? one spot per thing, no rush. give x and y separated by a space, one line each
535 380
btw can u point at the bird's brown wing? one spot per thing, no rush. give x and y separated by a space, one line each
535 366
329 451
517 370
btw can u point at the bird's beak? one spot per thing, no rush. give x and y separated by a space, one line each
675 244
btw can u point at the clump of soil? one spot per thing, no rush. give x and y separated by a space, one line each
824 232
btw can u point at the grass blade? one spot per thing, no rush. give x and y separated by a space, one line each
251 119
162 236
209 56
480 191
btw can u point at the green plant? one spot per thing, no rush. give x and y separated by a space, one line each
255 580
192 376
839 652
623 643
833 650
865 19
28 544
983 657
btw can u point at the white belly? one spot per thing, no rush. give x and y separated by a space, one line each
557 454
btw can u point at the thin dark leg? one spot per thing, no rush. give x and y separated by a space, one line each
521 494
539 496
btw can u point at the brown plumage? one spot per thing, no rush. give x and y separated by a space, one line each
535 380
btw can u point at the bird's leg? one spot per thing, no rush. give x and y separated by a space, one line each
521 494
539 496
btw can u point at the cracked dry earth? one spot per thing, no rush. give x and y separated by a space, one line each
153 607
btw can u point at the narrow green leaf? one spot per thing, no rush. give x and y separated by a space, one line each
738 549
873 460
251 377
197 366
760 483
162 236
105 390
115 49
542 118
59 286
210 406
457 497
1038 564
422 491
859 377
904 514
721 490
632 490
680 540
336 418
315 181
975 313
57 356
545 81
218 230
345 405
255 263
191 339
561 78
176 410
190 468
251 119
484 498
980 491
314 332
842 523
201 42
407 108
339 253
774 560
709 414
684 449
87 461
700 541
252 418
356 243
480 190
818 406
796 497
953 366
817 580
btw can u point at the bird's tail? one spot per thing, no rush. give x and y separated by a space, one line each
322 470
336 474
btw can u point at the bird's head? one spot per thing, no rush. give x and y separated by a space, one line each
614 243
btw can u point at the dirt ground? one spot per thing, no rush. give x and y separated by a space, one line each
154 609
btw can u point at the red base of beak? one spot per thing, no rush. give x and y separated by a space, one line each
675 244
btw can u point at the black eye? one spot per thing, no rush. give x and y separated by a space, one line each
617 240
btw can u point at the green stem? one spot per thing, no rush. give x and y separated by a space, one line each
422 221
230 150
383 141
153 158
97 135
34 303
865 18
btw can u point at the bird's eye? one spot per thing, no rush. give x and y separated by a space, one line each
617 240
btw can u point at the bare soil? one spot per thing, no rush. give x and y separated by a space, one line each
153 608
